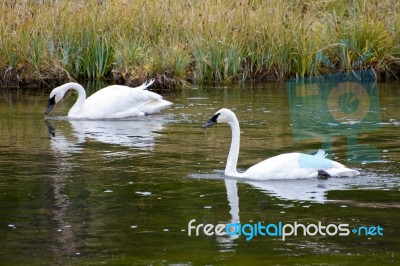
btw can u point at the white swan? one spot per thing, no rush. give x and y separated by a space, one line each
284 166
114 101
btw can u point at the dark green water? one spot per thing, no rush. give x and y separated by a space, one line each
123 192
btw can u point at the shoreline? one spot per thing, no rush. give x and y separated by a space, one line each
163 82
194 42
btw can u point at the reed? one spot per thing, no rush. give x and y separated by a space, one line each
203 41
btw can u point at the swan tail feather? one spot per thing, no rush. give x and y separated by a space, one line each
147 84
321 153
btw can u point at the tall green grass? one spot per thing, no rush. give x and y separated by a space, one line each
211 40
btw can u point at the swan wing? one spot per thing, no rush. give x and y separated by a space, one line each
118 101
296 166
284 166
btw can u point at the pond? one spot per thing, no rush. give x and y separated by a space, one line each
134 191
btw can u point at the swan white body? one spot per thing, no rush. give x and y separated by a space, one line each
285 166
115 101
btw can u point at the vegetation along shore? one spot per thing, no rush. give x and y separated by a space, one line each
178 42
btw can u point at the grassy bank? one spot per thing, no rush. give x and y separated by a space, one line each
196 41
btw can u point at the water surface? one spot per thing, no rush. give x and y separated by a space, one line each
123 192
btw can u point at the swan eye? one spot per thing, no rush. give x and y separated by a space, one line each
215 118
52 100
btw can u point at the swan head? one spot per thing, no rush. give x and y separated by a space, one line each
55 96
221 116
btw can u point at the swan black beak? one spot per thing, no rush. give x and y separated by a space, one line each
52 102
211 122
208 124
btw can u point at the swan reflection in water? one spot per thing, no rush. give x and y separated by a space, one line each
294 192
137 132
303 191
67 138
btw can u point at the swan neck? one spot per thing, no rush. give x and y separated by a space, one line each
233 156
76 108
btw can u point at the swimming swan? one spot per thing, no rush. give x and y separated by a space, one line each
284 166
115 101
